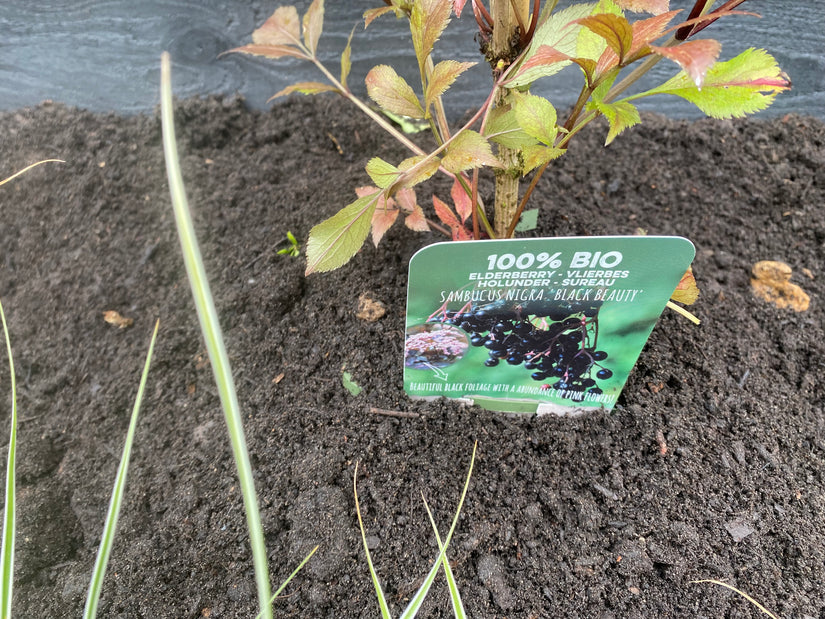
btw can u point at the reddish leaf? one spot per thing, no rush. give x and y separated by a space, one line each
446 215
416 220
686 291
614 29
406 199
458 5
695 57
655 7
463 202
545 56
392 92
382 220
650 29
282 28
313 24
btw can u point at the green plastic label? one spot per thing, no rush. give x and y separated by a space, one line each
536 325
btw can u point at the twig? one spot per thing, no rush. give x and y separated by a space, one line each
403 414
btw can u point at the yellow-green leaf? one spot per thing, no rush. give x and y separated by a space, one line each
269 51
588 43
468 150
346 59
619 115
313 25
382 173
538 155
371 15
503 128
333 242
614 29
742 85
305 88
442 77
536 116
392 93
427 21
417 169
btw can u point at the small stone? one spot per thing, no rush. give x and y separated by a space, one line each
369 309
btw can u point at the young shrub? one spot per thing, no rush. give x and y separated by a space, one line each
612 42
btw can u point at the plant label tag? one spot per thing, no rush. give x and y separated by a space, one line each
550 325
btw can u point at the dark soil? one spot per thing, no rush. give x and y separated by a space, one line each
712 465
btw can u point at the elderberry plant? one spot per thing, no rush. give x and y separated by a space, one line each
523 41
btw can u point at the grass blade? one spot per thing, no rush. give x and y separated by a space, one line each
382 601
211 329
289 578
419 597
108 535
9 514
735 590
455 596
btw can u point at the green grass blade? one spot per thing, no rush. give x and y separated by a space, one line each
455 596
418 599
9 514
382 601
108 535
210 327
289 578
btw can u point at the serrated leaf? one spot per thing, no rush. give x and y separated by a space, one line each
695 57
614 29
463 203
406 200
370 15
650 29
742 85
442 77
313 25
468 150
417 169
536 116
427 21
686 291
269 51
382 173
503 128
559 32
416 220
458 5
588 43
382 220
282 28
620 116
392 93
346 60
334 241
654 7
446 215
538 155
305 88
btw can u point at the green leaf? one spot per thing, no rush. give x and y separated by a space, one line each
536 116
442 77
305 88
10 509
529 220
382 173
334 241
313 24
468 150
538 155
742 85
392 93
346 59
427 21
559 32
619 115
349 384
503 128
